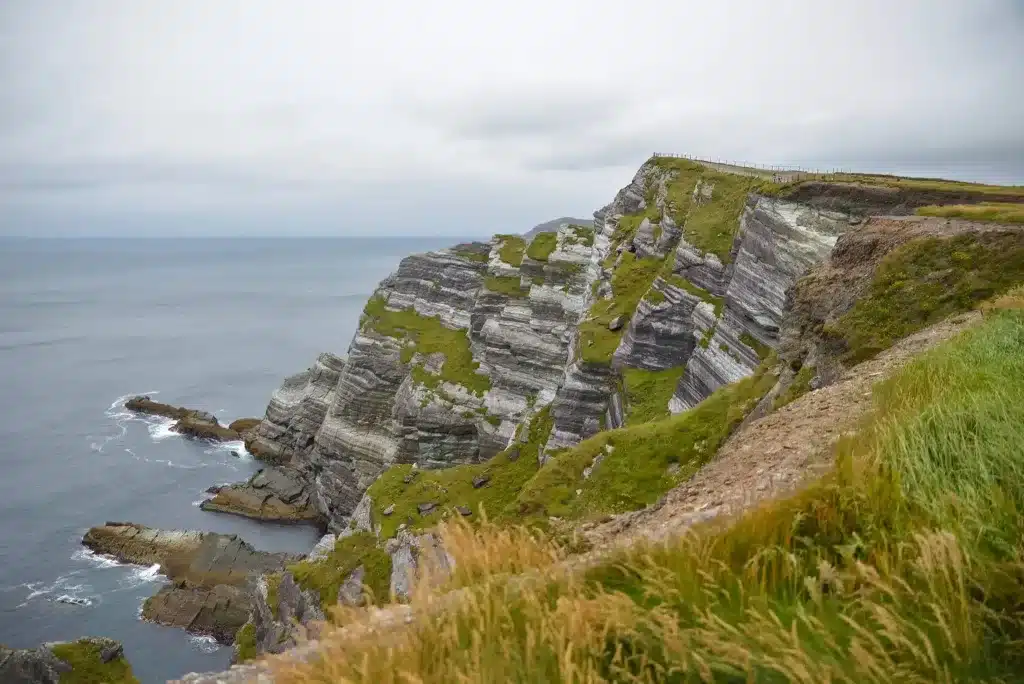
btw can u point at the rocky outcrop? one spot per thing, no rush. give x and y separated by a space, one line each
509 327
192 423
271 495
210 573
55 662
280 619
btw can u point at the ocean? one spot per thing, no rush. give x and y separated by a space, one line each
212 324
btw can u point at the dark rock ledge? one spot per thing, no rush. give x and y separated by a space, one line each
211 574
193 423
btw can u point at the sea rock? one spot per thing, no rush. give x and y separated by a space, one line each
190 422
271 494
209 573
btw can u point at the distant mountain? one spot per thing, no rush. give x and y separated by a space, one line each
552 225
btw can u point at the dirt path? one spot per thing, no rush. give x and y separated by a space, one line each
774 455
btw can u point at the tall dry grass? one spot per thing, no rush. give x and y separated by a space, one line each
904 565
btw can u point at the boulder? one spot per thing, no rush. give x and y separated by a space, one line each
190 422
271 495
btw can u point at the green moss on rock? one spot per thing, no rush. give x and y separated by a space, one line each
507 285
512 249
762 350
447 488
542 245
87 666
427 335
630 282
326 575
245 643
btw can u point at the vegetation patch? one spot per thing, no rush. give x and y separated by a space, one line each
760 348
509 286
542 245
630 281
634 470
470 255
86 660
273 581
648 393
922 282
245 642
581 235
800 386
326 575
447 488
999 212
426 335
512 249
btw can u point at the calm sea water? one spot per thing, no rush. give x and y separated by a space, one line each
210 324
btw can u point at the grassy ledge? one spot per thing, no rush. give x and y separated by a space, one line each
922 282
88 667
512 249
447 488
635 471
507 285
542 245
327 574
648 393
704 295
581 235
630 282
245 643
428 336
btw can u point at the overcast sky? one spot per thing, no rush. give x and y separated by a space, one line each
291 117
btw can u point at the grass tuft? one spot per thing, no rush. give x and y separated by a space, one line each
512 249
542 245
87 666
648 393
507 285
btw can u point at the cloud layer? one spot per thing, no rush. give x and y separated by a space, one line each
463 118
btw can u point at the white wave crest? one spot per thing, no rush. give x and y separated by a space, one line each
206 644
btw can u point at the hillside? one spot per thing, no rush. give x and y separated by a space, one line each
791 371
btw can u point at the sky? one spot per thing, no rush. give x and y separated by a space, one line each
465 118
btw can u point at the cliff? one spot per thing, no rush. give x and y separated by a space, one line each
595 371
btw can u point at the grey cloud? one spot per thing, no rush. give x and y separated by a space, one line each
456 116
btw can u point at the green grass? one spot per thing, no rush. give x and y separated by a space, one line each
245 642
648 393
428 336
506 285
800 386
88 667
762 350
712 226
326 575
451 487
542 245
581 235
512 249
273 596
895 182
478 257
630 282
636 471
922 282
999 212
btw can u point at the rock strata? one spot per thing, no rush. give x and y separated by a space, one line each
209 573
